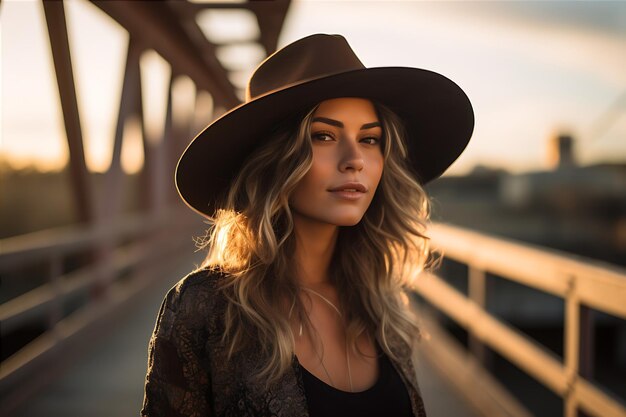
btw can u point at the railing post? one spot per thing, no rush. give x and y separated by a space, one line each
477 293
572 350
587 335
586 354
105 273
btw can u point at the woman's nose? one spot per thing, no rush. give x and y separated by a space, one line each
351 158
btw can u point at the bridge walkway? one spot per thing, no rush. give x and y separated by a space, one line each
107 380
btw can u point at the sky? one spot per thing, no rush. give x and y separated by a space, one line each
532 69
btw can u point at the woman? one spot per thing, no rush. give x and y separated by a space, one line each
313 188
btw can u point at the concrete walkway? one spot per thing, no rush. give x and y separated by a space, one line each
439 397
108 380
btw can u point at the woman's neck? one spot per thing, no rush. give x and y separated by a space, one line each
315 244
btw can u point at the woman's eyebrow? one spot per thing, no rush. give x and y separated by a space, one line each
337 123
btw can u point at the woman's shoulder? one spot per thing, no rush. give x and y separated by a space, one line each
194 299
199 281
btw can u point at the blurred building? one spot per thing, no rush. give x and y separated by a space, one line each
573 208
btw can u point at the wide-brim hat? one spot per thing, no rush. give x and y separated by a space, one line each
437 114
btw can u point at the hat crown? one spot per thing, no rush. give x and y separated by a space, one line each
315 56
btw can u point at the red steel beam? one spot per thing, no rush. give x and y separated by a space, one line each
156 25
57 30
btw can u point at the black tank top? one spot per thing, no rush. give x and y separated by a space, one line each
387 397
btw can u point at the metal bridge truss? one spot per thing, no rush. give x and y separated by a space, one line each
113 255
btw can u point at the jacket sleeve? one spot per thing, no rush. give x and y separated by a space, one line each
178 377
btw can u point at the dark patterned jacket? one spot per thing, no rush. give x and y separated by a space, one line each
189 374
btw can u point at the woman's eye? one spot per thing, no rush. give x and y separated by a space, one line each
322 137
371 140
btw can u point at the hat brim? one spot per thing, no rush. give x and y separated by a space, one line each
437 115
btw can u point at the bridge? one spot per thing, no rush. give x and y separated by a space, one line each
78 303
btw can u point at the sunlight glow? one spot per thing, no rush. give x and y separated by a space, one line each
183 102
222 26
240 56
33 132
155 79
241 60
132 157
216 1
204 112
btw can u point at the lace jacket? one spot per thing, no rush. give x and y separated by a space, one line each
189 374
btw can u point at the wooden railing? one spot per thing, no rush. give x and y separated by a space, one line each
122 260
581 284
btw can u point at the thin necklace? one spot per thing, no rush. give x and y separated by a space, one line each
320 357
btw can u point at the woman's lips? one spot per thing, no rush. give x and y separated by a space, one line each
348 194
351 186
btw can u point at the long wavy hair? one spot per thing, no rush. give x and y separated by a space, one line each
251 238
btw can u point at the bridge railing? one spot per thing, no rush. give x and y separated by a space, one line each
76 299
581 284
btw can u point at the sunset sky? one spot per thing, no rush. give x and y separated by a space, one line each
531 69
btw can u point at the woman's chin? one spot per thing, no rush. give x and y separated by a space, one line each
348 221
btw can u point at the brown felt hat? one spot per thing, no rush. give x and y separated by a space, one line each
437 114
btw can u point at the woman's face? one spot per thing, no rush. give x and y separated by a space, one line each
347 163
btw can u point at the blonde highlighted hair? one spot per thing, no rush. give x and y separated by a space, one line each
251 238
